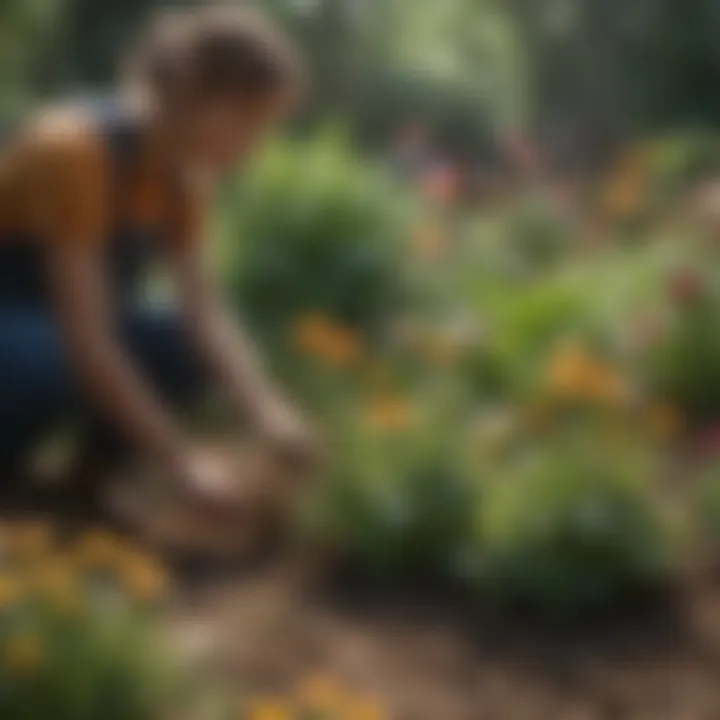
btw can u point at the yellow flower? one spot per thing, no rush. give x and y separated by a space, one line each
623 192
56 575
310 332
318 336
23 653
57 581
68 602
389 414
11 589
573 374
366 710
342 347
144 578
269 709
320 693
99 549
568 370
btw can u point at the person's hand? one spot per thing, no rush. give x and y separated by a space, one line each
288 438
210 480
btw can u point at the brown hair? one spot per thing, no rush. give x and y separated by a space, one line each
226 51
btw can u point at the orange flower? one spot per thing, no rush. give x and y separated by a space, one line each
311 332
55 576
624 191
23 654
11 590
573 374
320 693
568 371
99 549
390 414
343 347
269 709
366 710
318 336
144 578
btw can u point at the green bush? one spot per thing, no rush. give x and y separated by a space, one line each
683 364
572 528
315 229
396 502
706 507
678 161
537 233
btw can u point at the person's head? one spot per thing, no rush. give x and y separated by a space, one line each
218 77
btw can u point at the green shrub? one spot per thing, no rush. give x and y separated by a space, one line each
678 161
315 229
396 502
525 322
537 233
706 507
572 528
683 364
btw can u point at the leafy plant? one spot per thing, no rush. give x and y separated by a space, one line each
683 364
396 502
572 527
315 229
538 234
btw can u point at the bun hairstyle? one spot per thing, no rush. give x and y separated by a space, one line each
231 52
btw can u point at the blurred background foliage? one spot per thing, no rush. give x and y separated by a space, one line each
583 73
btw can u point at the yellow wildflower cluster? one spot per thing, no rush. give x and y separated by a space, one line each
22 654
389 414
38 574
34 569
318 336
574 374
317 696
624 191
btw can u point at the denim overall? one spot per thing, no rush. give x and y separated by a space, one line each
38 390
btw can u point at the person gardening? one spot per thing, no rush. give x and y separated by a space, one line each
94 193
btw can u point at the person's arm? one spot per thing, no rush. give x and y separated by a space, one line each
82 306
235 360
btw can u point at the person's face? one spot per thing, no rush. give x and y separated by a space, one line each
217 135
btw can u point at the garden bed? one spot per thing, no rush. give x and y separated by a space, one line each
442 658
